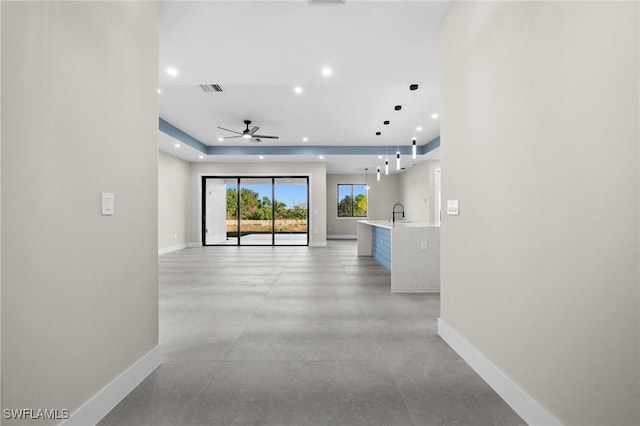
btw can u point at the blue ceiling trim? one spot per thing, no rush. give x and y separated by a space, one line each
173 131
390 150
429 146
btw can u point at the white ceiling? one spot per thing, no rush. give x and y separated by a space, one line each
258 51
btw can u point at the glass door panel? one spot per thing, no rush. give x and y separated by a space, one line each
220 225
256 211
291 216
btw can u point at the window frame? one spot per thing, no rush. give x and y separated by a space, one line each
352 216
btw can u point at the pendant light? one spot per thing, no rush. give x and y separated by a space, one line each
378 174
366 178
413 148
386 166
398 160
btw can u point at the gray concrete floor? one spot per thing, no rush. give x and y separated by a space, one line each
300 336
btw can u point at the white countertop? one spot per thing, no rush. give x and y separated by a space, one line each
399 224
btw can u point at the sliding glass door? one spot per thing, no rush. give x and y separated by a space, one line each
290 211
220 211
255 210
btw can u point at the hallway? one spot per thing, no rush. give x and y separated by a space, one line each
300 335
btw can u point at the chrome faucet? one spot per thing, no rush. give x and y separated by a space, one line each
393 214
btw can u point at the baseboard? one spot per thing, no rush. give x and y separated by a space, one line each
92 411
522 403
342 237
318 244
169 249
194 244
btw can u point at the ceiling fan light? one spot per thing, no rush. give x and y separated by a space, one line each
246 136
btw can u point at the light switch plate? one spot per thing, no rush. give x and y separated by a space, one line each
108 204
452 208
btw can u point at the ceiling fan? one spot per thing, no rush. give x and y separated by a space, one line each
249 134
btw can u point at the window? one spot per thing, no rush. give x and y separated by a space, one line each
352 200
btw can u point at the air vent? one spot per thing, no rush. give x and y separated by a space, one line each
211 88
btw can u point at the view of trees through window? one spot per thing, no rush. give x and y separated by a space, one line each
352 200
255 210
254 207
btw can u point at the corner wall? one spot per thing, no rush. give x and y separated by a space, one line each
317 192
382 196
0 208
416 191
173 188
79 117
539 123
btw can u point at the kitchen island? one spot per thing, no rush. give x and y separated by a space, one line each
411 251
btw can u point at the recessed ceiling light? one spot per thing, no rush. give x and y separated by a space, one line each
220 139
201 156
434 115
386 122
172 71
379 157
177 145
159 90
305 139
413 87
321 157
326 71
378 133
419 128
398 107
297 89
261 157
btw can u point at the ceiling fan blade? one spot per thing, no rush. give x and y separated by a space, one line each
228 130
231 137
266 137
254 140
253 130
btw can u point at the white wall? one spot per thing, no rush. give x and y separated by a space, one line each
0 207
416 191
317 191
79 116
539 127
382 196
173 184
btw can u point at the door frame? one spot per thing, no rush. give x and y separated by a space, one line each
203 203
437 196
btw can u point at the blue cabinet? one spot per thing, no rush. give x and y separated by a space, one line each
381 245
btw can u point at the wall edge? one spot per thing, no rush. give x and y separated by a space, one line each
100 404
517 398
